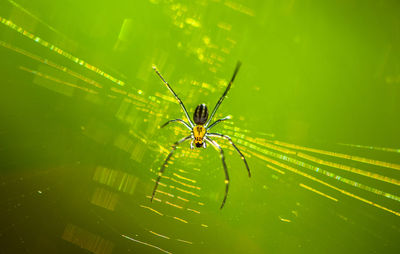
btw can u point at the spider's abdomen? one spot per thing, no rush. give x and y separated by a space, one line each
200 115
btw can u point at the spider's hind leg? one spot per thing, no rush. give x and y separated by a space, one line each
233 144
218 147
174 146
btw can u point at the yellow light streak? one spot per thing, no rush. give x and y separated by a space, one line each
275 169
180 240
192 210
179 219
349 169
185 184
141 99
162 148
166 97
324 183
116 179
341 155
318 192
59 51
151 209
160 235
284 220
239 7
154 198
54 79
320 170
165 193
193 22
159 183
174 205
188 192
184 178
139 105
36 18
385 149
183 199
268 145
182 171
50 63
147 244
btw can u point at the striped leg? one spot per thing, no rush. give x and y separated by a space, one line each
176 96
218 147
224 94
177 120
237 149
174 146
218 121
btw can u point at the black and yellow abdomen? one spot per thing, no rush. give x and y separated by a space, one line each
200 115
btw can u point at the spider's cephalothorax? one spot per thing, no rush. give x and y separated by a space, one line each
199 131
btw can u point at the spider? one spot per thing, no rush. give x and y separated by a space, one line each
199 131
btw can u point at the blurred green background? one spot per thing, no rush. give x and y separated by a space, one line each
315 110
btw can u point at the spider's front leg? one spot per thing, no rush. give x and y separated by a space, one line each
175 95
224 94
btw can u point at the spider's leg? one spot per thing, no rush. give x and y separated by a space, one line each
237 149
174 146
218 121
218 147
176 96
177 120
224 94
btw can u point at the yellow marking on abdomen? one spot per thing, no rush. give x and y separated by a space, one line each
199 131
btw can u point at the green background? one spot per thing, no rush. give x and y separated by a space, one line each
314 73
